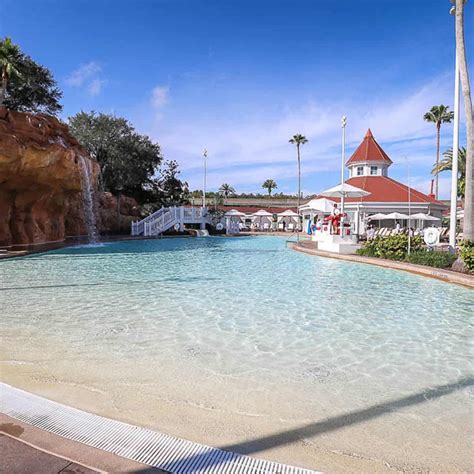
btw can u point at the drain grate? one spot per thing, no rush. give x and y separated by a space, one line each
159 450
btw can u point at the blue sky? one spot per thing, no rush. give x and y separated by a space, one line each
240 77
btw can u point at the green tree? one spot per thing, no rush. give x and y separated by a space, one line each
298 140
226 190
173 191
269 185
128 161
438 115
447 164
26 85
10 63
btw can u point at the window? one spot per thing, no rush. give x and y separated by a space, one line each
373 170
360 170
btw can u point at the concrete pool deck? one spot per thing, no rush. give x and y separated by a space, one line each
100 444
26 449
448 276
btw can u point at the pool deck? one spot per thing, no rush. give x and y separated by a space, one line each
27 449
448 276
59 435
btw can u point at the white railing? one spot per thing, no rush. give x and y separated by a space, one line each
163 219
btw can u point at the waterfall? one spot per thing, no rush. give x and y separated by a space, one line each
88 201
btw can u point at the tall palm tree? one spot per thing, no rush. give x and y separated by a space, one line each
226 189
468 230
269 185
447 164
9 63
438 115
298 140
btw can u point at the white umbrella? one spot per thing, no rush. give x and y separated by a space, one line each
397 215
345 190
424 217
378 217
320 204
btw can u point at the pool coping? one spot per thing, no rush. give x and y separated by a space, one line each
441 274
138 444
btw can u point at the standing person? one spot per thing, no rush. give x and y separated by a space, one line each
335 216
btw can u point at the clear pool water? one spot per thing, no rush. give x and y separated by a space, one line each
240 326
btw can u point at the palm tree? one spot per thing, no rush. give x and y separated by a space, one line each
226 189
9 62
468 230
446 164
269 185
438 115
298 140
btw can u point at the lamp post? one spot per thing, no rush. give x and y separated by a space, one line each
409 206
454 167
343 159
204 154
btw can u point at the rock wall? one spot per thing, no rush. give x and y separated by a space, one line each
40 183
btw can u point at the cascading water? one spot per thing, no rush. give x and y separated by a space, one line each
88 199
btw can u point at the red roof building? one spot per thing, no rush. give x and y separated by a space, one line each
368 170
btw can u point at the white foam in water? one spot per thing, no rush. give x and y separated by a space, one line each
242 337
88 199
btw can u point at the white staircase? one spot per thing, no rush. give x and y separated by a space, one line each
166 217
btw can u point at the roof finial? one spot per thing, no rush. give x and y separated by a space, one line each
369 134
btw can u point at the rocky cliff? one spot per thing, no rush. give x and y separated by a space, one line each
40 182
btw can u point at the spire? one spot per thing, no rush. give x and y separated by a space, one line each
369 151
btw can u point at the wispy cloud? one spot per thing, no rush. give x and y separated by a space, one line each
252 145
87 76
159 96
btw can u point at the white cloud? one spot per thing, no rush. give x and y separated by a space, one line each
95 87
249 143
159 96
87 76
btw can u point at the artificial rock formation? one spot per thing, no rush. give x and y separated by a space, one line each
40 182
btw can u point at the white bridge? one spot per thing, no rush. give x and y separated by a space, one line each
167 217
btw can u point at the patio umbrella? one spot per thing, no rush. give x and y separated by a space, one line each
397 215
424 217
344 190
319 204
377 217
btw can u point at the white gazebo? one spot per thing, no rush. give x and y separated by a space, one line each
261 218
287 218
233 219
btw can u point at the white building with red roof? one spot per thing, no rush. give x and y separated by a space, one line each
369 170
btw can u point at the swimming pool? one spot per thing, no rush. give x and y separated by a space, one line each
225 340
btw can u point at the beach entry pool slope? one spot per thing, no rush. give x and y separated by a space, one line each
171 454
231 341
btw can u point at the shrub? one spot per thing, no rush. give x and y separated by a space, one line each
432 259
393 247
466 250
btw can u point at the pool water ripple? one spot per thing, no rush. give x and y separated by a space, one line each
201 316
